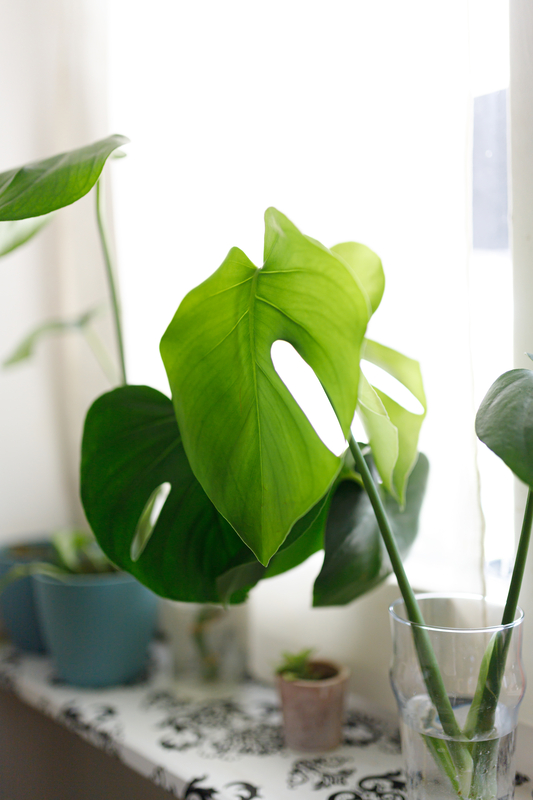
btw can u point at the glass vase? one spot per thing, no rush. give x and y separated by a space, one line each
475 761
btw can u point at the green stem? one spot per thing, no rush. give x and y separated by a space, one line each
111 282
511 605
426 655
481 720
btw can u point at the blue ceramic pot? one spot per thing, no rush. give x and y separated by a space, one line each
17 603
96 627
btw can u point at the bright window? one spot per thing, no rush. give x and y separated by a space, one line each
356 122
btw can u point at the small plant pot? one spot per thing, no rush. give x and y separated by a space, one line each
17 602
97 627
313 710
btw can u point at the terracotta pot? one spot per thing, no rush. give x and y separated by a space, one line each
313 711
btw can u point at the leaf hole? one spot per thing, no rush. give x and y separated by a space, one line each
148 520
392 387
307 391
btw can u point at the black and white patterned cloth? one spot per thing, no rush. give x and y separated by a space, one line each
215 742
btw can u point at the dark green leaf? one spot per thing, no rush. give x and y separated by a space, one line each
248 442
504 421
355 559
131 445
44 186
17 232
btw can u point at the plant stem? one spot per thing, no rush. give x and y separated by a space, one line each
483 719
111 282
426 655
511 605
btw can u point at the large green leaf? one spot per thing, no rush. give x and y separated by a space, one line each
17 232
44 186
248 442
504 421
381 415
355 559
131 446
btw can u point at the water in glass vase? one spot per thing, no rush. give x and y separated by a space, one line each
487 765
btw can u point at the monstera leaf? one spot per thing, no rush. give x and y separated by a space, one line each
132 446
392 430
44 186
355 559
247 440
504 421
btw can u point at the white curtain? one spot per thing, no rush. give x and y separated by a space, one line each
52 98
522 212
355 120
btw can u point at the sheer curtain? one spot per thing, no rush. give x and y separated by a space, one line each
521 106
356 122
53 98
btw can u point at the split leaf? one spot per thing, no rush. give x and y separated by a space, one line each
248 442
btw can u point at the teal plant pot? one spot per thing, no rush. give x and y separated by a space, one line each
97 627
17 602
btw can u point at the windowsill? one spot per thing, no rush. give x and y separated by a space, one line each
221 739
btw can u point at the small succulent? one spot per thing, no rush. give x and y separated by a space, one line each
301 667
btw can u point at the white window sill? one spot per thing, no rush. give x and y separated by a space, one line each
226 740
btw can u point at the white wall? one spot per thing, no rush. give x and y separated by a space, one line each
521 104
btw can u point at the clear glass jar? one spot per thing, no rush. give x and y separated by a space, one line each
474 761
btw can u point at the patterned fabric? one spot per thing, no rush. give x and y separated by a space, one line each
216 743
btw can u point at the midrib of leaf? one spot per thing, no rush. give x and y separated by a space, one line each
251 328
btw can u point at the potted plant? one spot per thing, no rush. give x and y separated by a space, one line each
177 519
95 621
152 508
312 695
253 489
17 602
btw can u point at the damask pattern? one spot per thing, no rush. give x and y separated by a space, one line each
226 748
224 729
98 725
387 786
320 772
